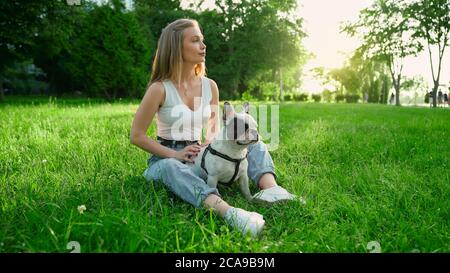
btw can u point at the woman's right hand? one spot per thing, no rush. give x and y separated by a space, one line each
188 153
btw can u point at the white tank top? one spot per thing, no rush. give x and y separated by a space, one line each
176 121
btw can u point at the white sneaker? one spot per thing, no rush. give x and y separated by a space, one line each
245 221
276 194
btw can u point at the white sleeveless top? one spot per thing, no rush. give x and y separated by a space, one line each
176 121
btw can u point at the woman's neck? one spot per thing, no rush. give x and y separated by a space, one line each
188 72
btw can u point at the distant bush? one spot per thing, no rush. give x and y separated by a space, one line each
316 97
339 98
351 98
301 97
326 94
246 96
287 97
427 98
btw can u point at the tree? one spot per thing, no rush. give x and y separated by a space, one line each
431 22
236 35
371 74
52 50
386 36
154 15
111 56
20 20
254 39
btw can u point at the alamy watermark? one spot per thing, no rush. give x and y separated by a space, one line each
74 246
187 122
373 247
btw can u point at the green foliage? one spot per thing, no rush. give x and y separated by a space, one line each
154 15
316 97
352 98
287 97
246 96
104 51
361 75
20 20
233 58
261 89
339 97
54 41
111 56
300 97
373 91
327 96
240 35
385 86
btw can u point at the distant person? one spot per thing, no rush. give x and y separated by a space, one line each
431 98
392 99
440 98
446 99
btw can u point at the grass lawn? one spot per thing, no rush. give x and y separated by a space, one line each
368 172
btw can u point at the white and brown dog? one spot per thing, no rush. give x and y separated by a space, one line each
225 158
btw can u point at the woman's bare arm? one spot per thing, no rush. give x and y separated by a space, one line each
154 97
213 126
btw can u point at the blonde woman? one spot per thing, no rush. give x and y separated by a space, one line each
179 92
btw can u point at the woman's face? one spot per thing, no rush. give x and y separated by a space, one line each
194 50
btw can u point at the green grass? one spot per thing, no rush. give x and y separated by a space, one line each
368 172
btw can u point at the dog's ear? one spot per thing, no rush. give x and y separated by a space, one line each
246 107
228 111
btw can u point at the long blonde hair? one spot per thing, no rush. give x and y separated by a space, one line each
168 59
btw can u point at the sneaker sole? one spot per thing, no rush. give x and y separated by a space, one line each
268 203
278 202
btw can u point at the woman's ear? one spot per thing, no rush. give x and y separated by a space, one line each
246 107
228 111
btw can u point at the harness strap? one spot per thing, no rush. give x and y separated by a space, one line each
224 156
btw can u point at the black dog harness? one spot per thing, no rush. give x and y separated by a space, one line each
224 156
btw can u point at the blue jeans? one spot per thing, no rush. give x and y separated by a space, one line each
189 182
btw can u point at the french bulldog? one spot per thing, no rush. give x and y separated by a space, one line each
225 158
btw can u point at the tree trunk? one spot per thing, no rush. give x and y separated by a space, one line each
397 91
397 95
395 80
281 86
435 89
275 80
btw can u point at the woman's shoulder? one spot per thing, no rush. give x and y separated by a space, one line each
156 87
156 90
211 81
214 90
212 84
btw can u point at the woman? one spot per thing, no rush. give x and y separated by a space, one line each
180 93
